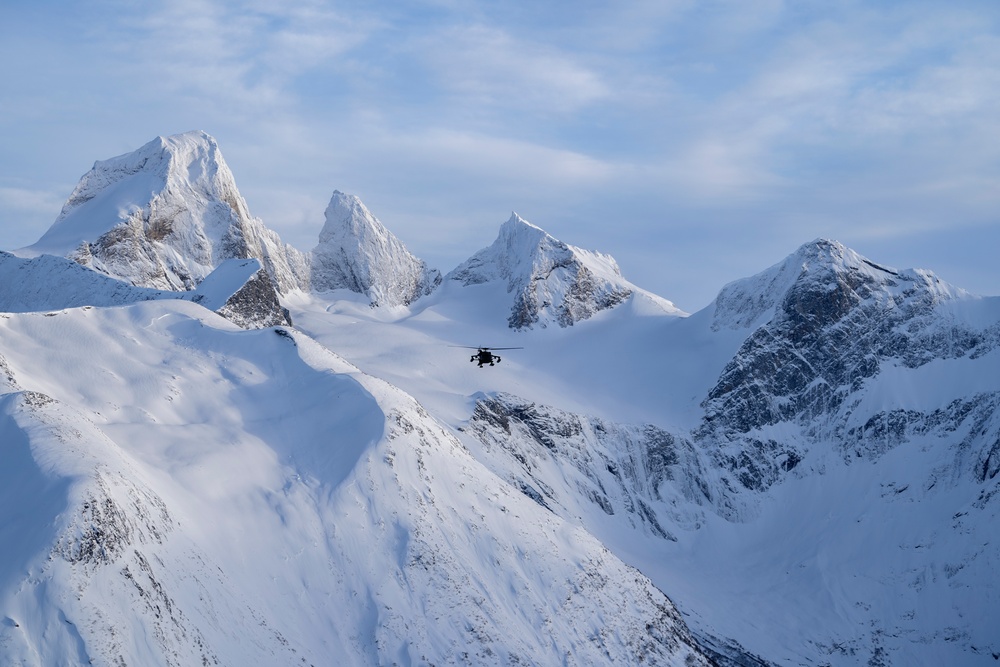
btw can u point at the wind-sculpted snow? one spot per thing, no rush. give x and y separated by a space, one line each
53 283
356 252
238 290
164 217
219 496
552 282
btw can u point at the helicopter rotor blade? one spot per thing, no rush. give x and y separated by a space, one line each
484 347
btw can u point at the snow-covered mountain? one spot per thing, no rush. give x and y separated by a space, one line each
834 332
164 217
168 214
551 282
809 467
356 252
181 492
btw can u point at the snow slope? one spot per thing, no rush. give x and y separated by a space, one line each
808 465
186 492
237 289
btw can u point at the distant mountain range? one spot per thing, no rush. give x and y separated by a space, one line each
219 449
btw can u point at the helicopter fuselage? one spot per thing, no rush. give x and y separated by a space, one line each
484 356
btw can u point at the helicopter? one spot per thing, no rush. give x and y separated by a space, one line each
484 355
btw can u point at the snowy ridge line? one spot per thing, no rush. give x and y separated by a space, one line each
168 214
238 290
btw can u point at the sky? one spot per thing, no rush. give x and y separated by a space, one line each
697 142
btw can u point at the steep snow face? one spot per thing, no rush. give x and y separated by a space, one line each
887 558
356 252
164 216
181 492
552 282
615 475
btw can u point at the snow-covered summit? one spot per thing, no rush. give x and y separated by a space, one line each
552 281
358 253
823 268
164 216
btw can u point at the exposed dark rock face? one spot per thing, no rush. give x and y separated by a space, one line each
632 471
255 305
551 282
584 297
127 252
841 321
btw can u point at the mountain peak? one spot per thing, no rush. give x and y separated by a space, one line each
358 253
552 281
516 221
164 216
191 159
827 271
346 215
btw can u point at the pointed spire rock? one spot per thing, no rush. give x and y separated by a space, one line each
552 282
356 252
165 216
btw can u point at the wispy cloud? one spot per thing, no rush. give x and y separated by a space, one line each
489 67
677 118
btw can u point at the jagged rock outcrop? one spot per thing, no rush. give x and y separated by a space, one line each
823 325
640 474
552 282
240 290
164 217
356 252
